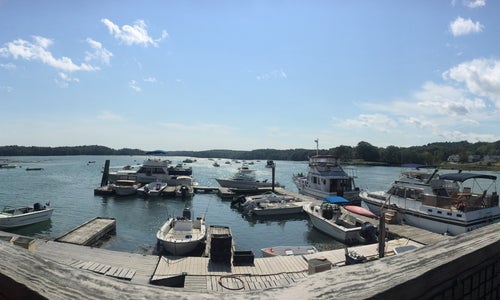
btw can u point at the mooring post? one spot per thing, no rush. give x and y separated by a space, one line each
274 166
381 236
105 173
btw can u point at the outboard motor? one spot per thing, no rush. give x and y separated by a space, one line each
238 201
186 213
327 212
369 233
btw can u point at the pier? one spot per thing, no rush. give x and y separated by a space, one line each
90 232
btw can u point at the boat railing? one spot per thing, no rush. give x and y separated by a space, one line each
462 201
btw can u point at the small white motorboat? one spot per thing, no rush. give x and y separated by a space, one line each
125 187
332 219
288 250
22 216
152 189
184 188
181 235
270 204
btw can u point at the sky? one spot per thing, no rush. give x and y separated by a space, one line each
245 75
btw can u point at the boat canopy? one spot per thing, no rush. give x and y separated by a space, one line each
465 176
336 199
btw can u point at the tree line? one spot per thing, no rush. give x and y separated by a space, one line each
432 154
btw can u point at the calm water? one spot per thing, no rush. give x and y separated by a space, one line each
68 184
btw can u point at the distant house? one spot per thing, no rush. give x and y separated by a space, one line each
491 158
454 158
474 158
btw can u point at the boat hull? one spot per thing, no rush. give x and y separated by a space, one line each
181 241
288 251
338 232
278 211
25 219
431 218
244 185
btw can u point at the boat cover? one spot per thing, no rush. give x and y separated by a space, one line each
336 199
465 176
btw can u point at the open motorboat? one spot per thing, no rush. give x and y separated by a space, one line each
288 250
269 204
246 180
22 216
125 187
325 177
182 235
184 188
152 189
330 218
451 203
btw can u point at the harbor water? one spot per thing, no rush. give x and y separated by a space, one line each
68 182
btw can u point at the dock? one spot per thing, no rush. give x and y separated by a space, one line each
202 274
90 232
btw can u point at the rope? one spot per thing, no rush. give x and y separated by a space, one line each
229 288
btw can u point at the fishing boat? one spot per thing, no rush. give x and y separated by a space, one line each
326 177
451 203
330 218
288 250
21 216
181 235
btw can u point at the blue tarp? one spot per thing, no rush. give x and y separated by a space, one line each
336 199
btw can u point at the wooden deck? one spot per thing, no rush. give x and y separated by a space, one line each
202 274
89 232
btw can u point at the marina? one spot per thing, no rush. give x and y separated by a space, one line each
243 268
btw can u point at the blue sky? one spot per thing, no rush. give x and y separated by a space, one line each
243 75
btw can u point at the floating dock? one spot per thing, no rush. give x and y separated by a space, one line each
90 232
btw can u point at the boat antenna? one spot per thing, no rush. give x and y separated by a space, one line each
317 147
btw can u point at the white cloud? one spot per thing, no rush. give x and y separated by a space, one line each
133 34
63 80
109 116
150 79
100 53
198 127
378 122
38 51
480 76
461 26
475 3
275 74
6 88
8 66
133 85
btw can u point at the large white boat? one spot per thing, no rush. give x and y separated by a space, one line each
151 170
338 223
22 216
182 235
451 203
245 180
325 177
